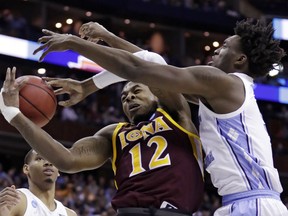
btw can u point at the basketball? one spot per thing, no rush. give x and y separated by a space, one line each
37 100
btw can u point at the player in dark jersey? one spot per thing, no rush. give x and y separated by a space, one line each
157 153
156 157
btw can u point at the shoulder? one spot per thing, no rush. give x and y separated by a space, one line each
107 131
21 207
70 212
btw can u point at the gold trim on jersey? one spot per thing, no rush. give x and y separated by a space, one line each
114 137
176 124
194 140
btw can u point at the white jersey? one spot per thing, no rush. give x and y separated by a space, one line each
238 148
35 207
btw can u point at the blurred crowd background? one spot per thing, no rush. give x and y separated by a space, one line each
182 31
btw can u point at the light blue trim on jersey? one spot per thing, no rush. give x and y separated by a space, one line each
233 134
245 207
246 195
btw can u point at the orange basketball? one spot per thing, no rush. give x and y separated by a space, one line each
37 100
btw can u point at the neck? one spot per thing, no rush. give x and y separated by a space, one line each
45 195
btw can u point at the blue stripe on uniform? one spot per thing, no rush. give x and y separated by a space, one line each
233 132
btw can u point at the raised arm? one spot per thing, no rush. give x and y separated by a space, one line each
205 81
79 90
87 153
93 31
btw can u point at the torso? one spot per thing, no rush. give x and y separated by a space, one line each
157 162
237 146
36 207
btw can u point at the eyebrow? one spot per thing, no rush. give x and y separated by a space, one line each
133 88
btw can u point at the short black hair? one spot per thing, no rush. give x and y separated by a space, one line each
28 157
258 44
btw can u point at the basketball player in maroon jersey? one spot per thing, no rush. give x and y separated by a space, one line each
156 157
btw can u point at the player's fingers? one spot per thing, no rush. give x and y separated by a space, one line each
48 32
10 198
94 40
8 71
81 33
8 74
55 83
83 27
9 203
7 78
60 91
44 39
66 103
61 84
13 74
42 47
9 193
21 82
44 54
49 78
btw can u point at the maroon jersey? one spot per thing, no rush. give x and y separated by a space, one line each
157 163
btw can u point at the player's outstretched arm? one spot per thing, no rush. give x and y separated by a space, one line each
87 153
93 31
78 91
208 82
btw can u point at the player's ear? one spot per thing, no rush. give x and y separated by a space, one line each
241 60
26 169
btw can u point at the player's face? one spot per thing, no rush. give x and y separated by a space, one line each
138 102
225 56
41 172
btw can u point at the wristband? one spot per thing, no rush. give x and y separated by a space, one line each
8 112
106 78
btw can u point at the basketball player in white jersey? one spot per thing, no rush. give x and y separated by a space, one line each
38 200
234 136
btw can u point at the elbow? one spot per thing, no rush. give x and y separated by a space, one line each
132 69
65 165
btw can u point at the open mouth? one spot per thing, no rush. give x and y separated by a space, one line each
133 107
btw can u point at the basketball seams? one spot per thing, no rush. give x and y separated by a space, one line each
37 86
37 100
43 114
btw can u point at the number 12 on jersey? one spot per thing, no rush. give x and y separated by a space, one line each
156 161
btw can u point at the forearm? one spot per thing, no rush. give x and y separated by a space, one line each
89 86
106 78
42 142
117 61
119 43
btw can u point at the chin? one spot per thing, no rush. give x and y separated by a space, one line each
49 180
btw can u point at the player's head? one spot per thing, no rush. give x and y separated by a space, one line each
39 171
252 50
138 102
